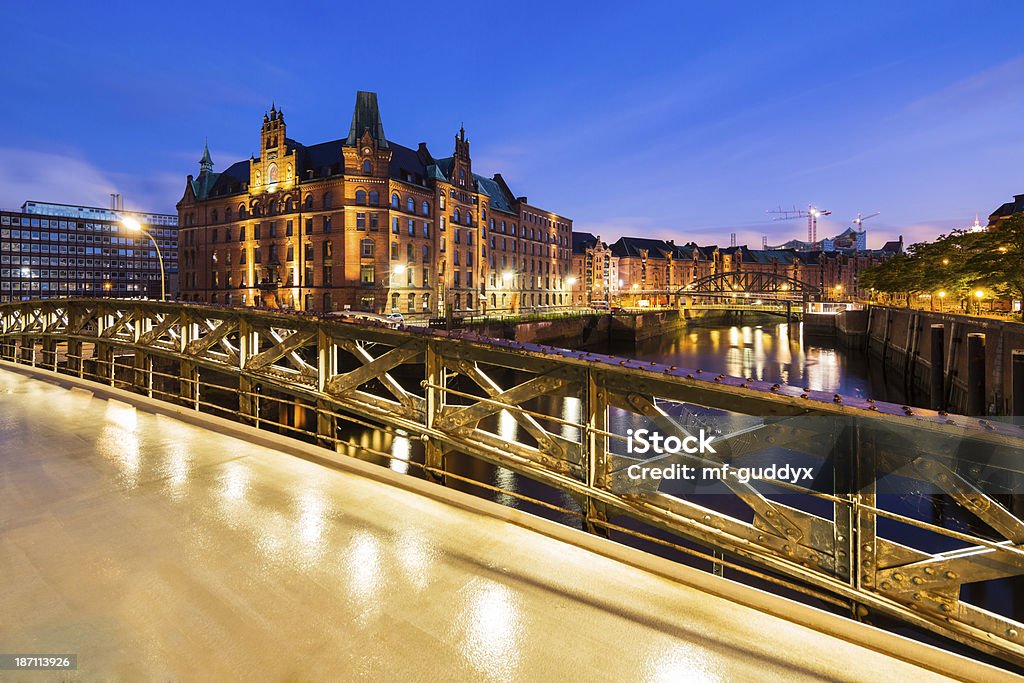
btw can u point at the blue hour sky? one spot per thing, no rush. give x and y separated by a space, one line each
682 120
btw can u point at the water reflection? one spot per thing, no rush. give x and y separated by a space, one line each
493 630
771 353
119 441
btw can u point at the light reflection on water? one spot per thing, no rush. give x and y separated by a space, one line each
772 353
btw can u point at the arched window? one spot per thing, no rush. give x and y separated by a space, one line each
367 167
309 201
360 196
425 208
410 253
374 198
241 212
458 216
291 204
273 207
257 210
483 214
227 214
469 218
327 200
410 205
426 253
395 201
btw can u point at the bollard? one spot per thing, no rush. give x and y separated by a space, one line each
936 386
1017 380
976 374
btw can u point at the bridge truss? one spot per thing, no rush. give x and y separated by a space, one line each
460 393
762 284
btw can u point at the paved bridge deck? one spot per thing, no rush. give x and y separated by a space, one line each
156 549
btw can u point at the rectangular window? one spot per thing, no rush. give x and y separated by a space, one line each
374 221
394 224
366 275
360 221
288 231
412 228
426 229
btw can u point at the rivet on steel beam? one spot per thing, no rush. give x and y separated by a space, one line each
917 580
886 585
951 575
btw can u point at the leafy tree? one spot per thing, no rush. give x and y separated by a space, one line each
997 258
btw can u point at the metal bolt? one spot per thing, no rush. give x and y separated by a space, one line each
950 575
946 608
917 596
897 577
930 571
917 580
1011 632
886 585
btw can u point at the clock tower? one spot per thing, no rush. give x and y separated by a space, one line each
275 168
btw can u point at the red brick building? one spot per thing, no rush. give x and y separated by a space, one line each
365 223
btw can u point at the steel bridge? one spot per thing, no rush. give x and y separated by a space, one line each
760 284
836 541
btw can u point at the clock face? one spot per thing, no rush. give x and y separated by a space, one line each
366 150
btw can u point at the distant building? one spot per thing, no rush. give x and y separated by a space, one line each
50 250
848 239
595 270
1006 210
659 271
364 223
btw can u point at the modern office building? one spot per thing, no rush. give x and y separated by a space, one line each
50 250
364 223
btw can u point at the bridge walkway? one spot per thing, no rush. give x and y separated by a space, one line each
156 548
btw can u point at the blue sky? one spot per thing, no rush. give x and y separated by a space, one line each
679 120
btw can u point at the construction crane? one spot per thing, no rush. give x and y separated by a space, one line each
811 214
860 219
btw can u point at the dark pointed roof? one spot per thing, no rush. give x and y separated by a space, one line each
632 246
581 241
366 116
207 161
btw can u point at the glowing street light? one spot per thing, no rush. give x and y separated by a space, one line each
945 261
133 226
571 281
399 269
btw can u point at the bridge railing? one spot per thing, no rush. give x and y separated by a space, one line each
903 513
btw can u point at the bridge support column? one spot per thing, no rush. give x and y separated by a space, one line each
248 404
143 375
188 386
436 377
595 450
327 367
938 370
49 353
75 357
27 351
976 394
104 356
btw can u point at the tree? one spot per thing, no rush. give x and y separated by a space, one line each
997 258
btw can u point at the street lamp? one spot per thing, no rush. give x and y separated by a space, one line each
979 295
942 297
133 225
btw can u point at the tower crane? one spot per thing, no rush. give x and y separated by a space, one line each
860 219
811 214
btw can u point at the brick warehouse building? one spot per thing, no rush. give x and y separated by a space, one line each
365 223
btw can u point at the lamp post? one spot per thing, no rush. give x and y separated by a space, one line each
133 225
